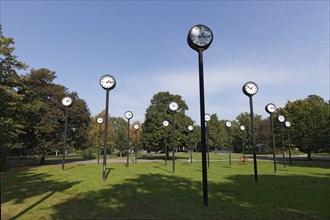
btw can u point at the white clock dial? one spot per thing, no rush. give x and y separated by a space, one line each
242 127
108 82
165 123
174 106
228 124
100 120
250 88
207 117
136 126
190 127
66 101
128 115
287 123
200 37
281 118
270 108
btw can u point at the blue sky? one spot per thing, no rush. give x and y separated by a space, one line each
283 46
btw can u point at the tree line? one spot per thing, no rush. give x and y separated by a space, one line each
32 120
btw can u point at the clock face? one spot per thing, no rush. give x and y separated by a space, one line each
190 127
100 120
281 118
136 126
108 82
287 123
128 115
250 88
200 37
270 108
242 127
207 117
228 124
174 106
66 101
165 123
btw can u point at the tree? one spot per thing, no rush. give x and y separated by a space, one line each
245 119
310 124
10 101
152 129
216 133
119 133
43 115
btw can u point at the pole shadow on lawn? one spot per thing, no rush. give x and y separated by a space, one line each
164 196
24 184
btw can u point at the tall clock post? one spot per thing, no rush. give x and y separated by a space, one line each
271 108
199 39
128 115
228 125
250 89
99 121
174 107
66 101
281 119
107 82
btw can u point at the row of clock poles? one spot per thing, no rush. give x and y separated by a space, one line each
271 108
199 39
174 107
128 115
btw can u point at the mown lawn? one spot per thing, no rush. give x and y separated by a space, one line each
151 191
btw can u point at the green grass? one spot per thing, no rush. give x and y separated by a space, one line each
151 190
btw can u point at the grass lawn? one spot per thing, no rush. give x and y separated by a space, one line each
151 191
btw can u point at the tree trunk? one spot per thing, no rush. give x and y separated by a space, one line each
309 155
42 160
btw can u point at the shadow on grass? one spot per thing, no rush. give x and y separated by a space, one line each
315 164
21 185
108 172
157 167
161 196
48 161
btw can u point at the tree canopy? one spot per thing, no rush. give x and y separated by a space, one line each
310 119
10 101
153 132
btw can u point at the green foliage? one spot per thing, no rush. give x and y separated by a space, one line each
153 132
245 119
119 133
310 119
44 115
88 153
11 125
216 133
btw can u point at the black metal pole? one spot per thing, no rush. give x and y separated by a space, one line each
253 141
207 146
273 140
173 149
228 133
165 146
65 131
289 147
98 149
203 139
282 136
243 146
105 134
136 144
127 162
190 148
